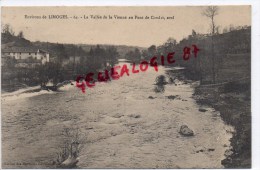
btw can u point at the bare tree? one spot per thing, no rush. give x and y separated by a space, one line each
211 13
7 29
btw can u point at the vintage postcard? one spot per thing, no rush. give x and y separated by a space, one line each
126 87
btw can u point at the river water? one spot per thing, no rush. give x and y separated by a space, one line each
120 126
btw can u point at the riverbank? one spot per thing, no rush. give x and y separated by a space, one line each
233 101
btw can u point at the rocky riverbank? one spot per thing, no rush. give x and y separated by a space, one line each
233 101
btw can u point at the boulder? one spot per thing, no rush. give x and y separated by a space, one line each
70 162
151 97
186 131
202 110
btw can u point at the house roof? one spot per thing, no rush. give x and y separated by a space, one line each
43 51
23 50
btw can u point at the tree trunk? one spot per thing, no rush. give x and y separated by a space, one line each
213 60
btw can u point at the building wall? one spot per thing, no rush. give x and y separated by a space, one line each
44 57
24 55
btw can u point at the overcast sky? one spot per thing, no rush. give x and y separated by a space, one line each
120 32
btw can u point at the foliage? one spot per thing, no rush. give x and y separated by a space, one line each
134 56
20 34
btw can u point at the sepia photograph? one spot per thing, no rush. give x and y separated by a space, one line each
165 87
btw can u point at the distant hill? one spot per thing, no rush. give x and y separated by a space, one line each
9 40
60 50
121 49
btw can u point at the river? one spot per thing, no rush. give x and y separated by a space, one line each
122 123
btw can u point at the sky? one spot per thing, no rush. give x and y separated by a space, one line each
134 32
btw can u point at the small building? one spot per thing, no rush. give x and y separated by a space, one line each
71 60
25 53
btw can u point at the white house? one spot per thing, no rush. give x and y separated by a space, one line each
24 53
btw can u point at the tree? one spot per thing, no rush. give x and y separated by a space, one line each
144 54
97 58
211 13
100 57
225 30
130 56
194 33
9 63
169 45
171 41
134 56
112 56
50 72
137 54
152 50
61 53
20 34
7 29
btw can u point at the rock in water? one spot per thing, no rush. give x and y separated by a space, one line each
69 163
186 131
202 110
151 97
